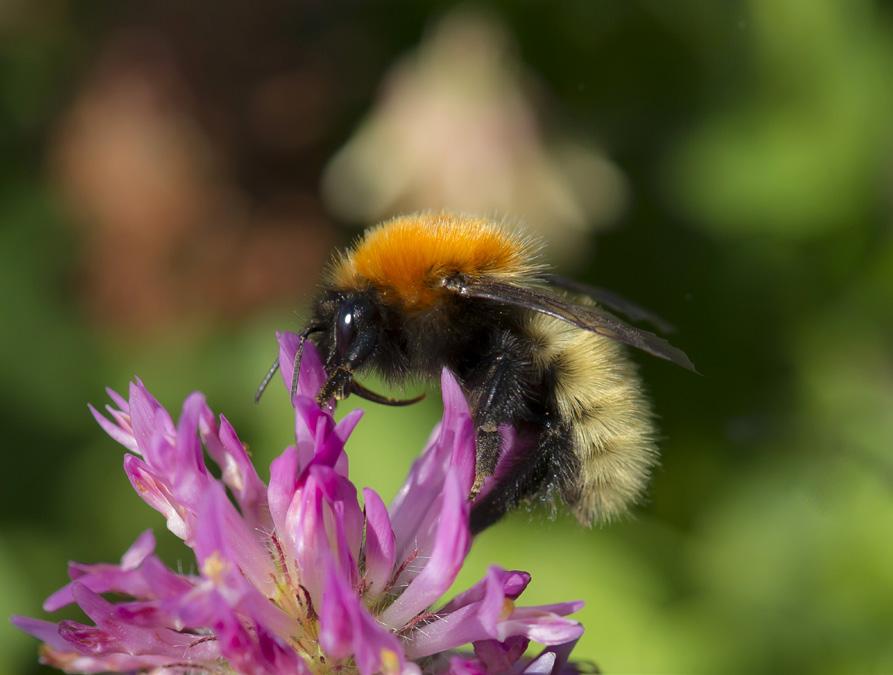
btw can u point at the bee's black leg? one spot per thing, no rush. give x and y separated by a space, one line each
500 391
527 476
490 412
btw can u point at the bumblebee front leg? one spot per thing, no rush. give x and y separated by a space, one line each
500 398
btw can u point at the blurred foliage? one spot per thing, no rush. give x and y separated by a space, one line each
754 139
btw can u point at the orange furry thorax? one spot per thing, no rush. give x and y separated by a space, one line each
406 258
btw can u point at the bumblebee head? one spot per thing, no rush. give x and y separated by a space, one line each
350 326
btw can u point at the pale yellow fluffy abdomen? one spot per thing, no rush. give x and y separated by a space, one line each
599 396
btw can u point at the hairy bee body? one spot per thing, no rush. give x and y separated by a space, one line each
424 292
597 394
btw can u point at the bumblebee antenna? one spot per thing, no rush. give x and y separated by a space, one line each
299 353
262 387
264 383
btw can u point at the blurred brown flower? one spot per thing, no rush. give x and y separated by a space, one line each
146 162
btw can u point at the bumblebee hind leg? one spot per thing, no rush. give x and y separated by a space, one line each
505 388
529 474
499 388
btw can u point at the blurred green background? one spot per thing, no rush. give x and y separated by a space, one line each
173 176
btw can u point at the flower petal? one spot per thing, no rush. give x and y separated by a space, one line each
379 551
254 652
554 661
139 550
414 512
73 662
500 657
544 624
180 460
238 473
45 631
544 664
471 623
513 583
456 416
118 400
114 633
190 461
450 548
140 575
148 418
221 532
123 436
323 522
236 568
306 537
312 424
318 430
156 493
463 665
244 642
282 487
346 628
490 614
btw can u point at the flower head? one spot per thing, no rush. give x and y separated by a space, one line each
296 576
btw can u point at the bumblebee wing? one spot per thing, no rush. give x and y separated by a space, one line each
587 317
611 300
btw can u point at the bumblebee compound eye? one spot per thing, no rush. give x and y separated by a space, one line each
356 330
345 328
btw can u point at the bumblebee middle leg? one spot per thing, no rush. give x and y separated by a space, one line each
549 461
500 395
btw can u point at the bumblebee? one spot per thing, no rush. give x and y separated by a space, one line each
530 349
